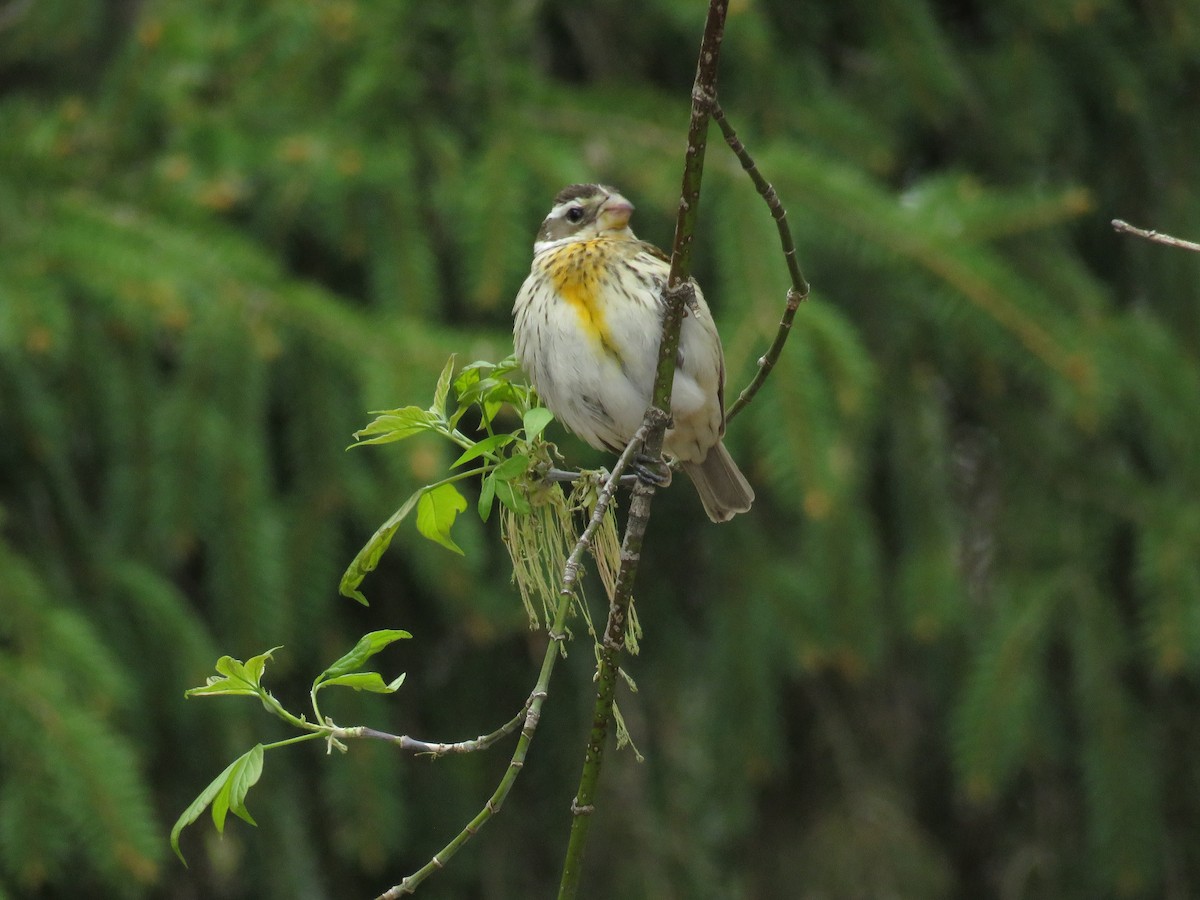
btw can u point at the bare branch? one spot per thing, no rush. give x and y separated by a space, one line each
799 290
1120 225
432 748
677 294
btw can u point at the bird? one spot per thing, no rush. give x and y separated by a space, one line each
587 323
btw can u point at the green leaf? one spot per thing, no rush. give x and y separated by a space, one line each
487 492
216 687
231 787
491 394
243 775
235 670
535 421
436 511
368 645
256 665
489 409
500 391
512 498
368 557
472 390
396 425
468 377
479 448
365 681
235 677
442 391
513 467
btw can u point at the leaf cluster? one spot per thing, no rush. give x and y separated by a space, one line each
503 461
227 792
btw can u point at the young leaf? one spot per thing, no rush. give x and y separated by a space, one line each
472 389
365 681
242 768
395 425
489 409
243 775
235 677
468 377
368 645
479 448
368 557
513 467
487 491
256 665
500 391
535 421
442 391
436 511
512 498
235 671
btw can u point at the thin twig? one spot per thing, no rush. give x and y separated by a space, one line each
566 475
532 712
1120 225
434 749
615 478
798 292
677 294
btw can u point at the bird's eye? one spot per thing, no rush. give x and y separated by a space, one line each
575 215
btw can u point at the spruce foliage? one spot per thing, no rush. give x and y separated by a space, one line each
953 651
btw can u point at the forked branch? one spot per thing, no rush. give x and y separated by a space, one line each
532 712
677 294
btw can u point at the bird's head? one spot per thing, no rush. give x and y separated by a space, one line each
583 212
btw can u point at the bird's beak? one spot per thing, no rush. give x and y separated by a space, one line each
614 213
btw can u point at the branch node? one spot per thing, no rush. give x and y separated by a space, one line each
657 417
682 295
703 99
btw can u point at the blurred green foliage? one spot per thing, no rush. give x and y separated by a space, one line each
953 651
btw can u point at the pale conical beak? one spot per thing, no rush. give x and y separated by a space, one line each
614 213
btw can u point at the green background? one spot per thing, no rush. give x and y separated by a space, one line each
953 651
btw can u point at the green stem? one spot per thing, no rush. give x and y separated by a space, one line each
459 476
286 742
537 697
678 292
295 721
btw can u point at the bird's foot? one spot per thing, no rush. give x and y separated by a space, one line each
651 470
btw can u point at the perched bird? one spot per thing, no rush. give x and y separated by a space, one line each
588 321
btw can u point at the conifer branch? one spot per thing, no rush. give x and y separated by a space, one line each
798 292
1121 225
532 712
677 294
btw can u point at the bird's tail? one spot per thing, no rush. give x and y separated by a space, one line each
722 487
